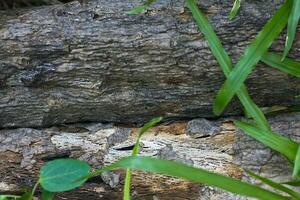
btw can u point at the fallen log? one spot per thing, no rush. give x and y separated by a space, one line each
214 145
93 62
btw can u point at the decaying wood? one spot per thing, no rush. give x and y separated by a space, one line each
73 63
213 145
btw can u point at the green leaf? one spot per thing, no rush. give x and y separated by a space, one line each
26 196
141 8
292 27
46 195
292 183
135 151
145 128
279 143
225 63
9 197
235 9
275 185
63 174
296 169
171 168
287 65
251 56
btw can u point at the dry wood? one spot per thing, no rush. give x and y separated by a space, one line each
74 63
227 151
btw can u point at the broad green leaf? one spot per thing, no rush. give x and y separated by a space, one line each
3 197
63 174
292 27
235 9
171 168
287 65
297 164
141 8
275 185
225 63
135 151
251 57
279 143
46 195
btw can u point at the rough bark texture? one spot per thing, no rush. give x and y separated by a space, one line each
73 63
213 145
94 63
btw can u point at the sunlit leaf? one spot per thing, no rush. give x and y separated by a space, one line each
279 143
225 63
171 168
63 174
292 27
287 65
275 185
235 9
251 56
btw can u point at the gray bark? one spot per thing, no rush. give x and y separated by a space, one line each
228 151
73 63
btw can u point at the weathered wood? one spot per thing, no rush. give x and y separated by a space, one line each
73 63
227 151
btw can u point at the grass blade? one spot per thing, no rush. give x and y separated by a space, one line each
287 65
141 8
235 9
175 169
135 151
292 27
293 183
251 56
225 63
297 164
279 143
275 185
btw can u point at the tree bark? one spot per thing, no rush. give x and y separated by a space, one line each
72 63
214 145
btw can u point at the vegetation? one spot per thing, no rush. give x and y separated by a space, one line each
66 174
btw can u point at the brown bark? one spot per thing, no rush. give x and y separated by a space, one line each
73 63
212 145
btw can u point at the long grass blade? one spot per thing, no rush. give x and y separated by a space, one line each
287 65
235 9
292 27
279 143
297 164
171 168
293 183
251 56
225 63
275 185
135 151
